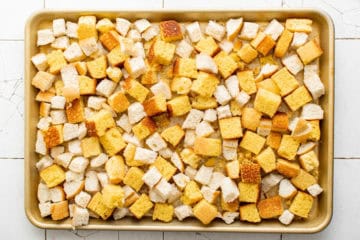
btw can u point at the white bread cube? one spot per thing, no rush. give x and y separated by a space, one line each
299 39
286 217
229 190
155 196
215 30
156 142
142 24
57 194
182 212
163 188
71 176
176 160
72 188
44 162
82 130
139 50
105 87
243 98
95 102
203 175
137 67
268 69
204 129
274 29
161 88
79 164
40 62
232 85
223 112
264 128
312 111
181 180
92 184
120 213
208 193
136 112
70 131
293 63
131 138
64 159
306 147
190 172
103 178
61 43
233 27
69 75
249 31
44 123
226 45
189 138
58 26
43 80
73 52
152 177
128 191
150 33
314 85
45 209
270 180
44 37
315 190
99 160
80 216
122 26
286 189
145 155
229 149
43 193
56 151
74 147
194 31
175 194
89 46
206 63
58 117
192 119
184 49
311 68
71 29
124 123
210 115
222 95
134 35
229 217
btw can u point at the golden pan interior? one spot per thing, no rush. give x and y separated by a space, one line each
323 213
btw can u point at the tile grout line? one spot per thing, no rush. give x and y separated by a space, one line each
45 234
163 4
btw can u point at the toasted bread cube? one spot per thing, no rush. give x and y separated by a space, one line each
155 105
233 27
112 141
149 77
230 127
166 169
205 84
162 52
144 128
179 106
315 133
113 196
205 212
250 173
293 63
119 102
288 147
247 81
40 62
110 40
56 61
209 194
267 102
225 64
274 29
115 168
283 44
170 31
52 175
99 123
89 46
298 98
59 210
267 160
208 146
43 80
87 27
135 89
114 73
249 213
252 142
303 180
45 37
207 45
87 85
90 147
222 95
203 103
98 206
249 31
299 25
142 24
270 207
273 140
249 192
287 169
247 53
97 67
250 118
280 122
54 136
116 56
264 128
189 157
309 52
285 81
309 161
155 142
173 135
185 67
163 212
135 66
301 204
133 178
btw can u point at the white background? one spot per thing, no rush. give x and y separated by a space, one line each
346 15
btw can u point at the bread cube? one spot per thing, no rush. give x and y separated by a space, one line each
303 180
184 49
90 147
205 212
252 142
89 46
119 102
207 146
287 169
204 129
249 192
250 173
113 196
105 25
225 64
249 213
54 136
230 127
203 103
133 178
298 98
40 62
115 168
173 135
249 31
45 209
293 63
179 106
205 63
194 32
229 190
150 33
170 31
74 53
56 61
270 207
250 118
166 169
110 39
155 142
301 204
207 45
185 67
309 52
288 147
135 66
283 44
299 25
52 175
192 119
71 29
286 189
114 73
189 157
163 212
98 206
144 155
43 80
44 37
309 161
314 85
315 190
192 193
285 81
233 27
122 26
99 123
97 67
247 53
299 39
162 52
59 210
151 177
183 211
135 89
87 86
161 88
215 30
274 29
116 56
205 84
267 102
87 27
136 112
267 160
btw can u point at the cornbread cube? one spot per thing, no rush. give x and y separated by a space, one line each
270 207
205 84
309 52
110 39
135 89
179 106
283 44
59 210
185 67
189 157
114 73
267 102
98 206
98 123
288 147
90 147
144 128
266 44
97 67
267 160
298 98
247 53
52 175
315 133
229 206
249 30
205 212
250 118
250 173
87 85
203 103
149 77
133 178
309 161
301 205
56 61
230 127
249 192
173 135
285 81
81 68
208 46
287 168
87 27
113 196
112 141
280 122
299 25
273 140
303 180
225 64
116 56
54 136
249 213
207 146
247 81
252 142
43 80
192 193
163 212
115 169
170 31
162 52
166 169
119 102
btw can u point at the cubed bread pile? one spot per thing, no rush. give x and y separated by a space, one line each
163 120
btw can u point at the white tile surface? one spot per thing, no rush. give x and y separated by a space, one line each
11 99
104 4
81 234
13 223
218 236
223 4
346 217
